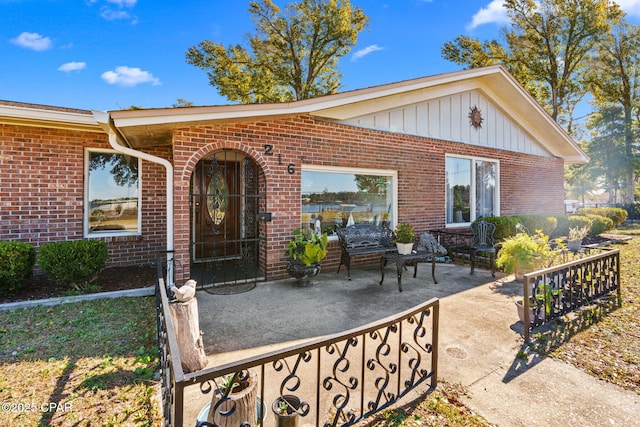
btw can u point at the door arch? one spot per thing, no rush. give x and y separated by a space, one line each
226 196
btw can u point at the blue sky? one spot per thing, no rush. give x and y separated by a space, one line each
111 54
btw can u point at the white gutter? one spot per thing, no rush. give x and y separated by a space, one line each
106 123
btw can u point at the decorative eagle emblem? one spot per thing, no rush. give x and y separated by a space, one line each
475 117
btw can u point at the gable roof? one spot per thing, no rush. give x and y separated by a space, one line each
140 127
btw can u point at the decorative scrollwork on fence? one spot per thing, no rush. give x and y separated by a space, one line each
338 380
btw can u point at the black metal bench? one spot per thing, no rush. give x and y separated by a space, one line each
363 239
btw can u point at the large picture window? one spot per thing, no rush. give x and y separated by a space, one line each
472 189
112 191
336 197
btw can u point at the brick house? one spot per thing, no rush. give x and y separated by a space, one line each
223 187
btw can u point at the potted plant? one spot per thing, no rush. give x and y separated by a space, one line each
305 251
285 409
235 400
522 253
404 238
575 236
541 302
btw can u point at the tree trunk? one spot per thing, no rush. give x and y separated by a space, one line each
242 404
186 326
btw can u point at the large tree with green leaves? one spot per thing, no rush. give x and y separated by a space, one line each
292 55
545 48
614 81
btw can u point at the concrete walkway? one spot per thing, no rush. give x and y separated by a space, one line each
480 337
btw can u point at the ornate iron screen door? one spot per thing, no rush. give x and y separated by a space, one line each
225 231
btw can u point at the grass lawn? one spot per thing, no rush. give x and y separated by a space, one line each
94 363
89 363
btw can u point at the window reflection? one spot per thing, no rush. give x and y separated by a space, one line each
331 200
471 189
113 193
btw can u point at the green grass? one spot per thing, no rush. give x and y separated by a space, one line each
92 361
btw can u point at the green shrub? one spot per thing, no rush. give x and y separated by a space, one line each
616 215
505 226
73 263
579 221
599 224
546 223
562 228
16 264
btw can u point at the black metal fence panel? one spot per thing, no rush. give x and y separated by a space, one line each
335 380
556 291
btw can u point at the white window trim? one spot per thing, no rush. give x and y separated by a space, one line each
87 205
362 171
472 192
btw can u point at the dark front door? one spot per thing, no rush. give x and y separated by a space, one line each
225 200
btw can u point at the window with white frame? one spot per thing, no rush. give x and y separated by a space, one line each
472 189
112 193
334 197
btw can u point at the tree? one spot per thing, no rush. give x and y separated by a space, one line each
545 48
614 80
292 55
607 148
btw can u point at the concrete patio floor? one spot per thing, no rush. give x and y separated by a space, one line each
480 337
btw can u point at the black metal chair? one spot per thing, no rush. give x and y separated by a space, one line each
482 241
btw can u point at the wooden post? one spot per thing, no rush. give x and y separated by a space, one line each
187 329
240 406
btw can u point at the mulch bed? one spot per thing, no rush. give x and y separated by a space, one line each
109 279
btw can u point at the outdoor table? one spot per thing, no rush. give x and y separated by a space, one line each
410 259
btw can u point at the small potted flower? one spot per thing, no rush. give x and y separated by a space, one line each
575 236
404 238
285 408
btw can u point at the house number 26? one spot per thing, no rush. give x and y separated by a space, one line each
268 151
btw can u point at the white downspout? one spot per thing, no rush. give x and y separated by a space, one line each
105 122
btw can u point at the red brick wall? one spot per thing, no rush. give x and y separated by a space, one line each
42 198
529 184
42 175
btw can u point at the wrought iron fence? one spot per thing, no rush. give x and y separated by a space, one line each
556 291
334 380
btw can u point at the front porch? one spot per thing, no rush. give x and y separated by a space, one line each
463 330
259 328
278 314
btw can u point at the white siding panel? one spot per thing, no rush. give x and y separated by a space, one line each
396 121
422 113
447 118
434 118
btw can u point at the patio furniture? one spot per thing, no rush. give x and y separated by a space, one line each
482 241
427 249
363 239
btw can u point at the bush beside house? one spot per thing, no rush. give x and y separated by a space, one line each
16 264
73 262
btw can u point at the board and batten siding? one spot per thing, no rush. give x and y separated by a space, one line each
447 118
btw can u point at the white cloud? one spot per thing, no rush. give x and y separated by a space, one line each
32 41
631 7
112 15
72 66
123 3
366 51
127 76
494 13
